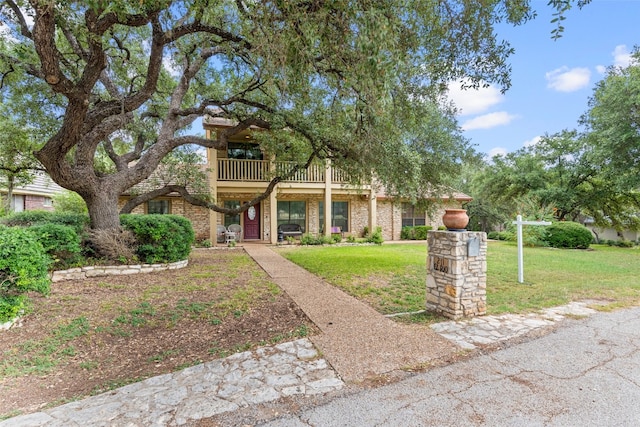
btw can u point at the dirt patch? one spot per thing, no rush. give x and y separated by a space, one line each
97 334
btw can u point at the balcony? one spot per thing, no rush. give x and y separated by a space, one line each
264 170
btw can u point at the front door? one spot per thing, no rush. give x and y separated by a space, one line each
252 223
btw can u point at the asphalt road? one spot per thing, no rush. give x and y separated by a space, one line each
584 373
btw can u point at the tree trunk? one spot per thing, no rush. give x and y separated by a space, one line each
10 185
103 211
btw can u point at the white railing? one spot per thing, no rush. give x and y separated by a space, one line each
260 170
243 170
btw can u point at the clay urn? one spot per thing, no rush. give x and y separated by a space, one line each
455 219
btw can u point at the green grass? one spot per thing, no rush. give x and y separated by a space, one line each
392 277
41 357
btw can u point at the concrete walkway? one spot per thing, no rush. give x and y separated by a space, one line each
356 340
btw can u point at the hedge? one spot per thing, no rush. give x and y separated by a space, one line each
161 238
29 218
418 232
23 268
567 234
61 242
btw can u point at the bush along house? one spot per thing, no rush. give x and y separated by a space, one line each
318 200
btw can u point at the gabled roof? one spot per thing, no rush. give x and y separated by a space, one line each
42 185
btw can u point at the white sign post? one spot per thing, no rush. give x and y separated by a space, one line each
519 223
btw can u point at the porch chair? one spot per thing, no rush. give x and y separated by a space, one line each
221 231
236 229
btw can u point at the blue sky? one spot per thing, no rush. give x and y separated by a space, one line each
551 80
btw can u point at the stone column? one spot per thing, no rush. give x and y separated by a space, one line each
457 273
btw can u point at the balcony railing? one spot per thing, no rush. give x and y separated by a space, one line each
243 170
262 171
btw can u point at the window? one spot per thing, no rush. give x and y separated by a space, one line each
17 203
412 215
47 202
158 207
339 215
231 218
292 212
240 150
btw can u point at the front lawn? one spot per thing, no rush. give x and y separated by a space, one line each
391 277
92 335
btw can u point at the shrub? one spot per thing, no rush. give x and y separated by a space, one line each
310 240
506 235
568 235
60 242
69 202
28 218
375 237
23 268
206 243
421 231
493 235
533 236
406 233
624 244
161 238
418 232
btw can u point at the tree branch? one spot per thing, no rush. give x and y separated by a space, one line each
24 28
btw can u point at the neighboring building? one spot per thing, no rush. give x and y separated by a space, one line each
317 199
609 233
36 196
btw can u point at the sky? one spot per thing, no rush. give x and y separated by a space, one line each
552 81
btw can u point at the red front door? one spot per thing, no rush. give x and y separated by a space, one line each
252 223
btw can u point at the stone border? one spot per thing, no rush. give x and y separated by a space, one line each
80 273
15 322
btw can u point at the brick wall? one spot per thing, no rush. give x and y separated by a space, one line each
32 203
198 216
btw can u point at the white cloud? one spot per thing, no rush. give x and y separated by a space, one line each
473 101
621 56
496 151
564 79
601 69
488 121
533 141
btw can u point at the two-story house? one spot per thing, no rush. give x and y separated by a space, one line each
318 199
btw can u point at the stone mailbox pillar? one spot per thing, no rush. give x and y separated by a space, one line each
457 273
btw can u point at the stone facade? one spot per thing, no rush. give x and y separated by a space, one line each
389 218
358 217
457 273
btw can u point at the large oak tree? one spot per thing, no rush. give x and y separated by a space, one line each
357 82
